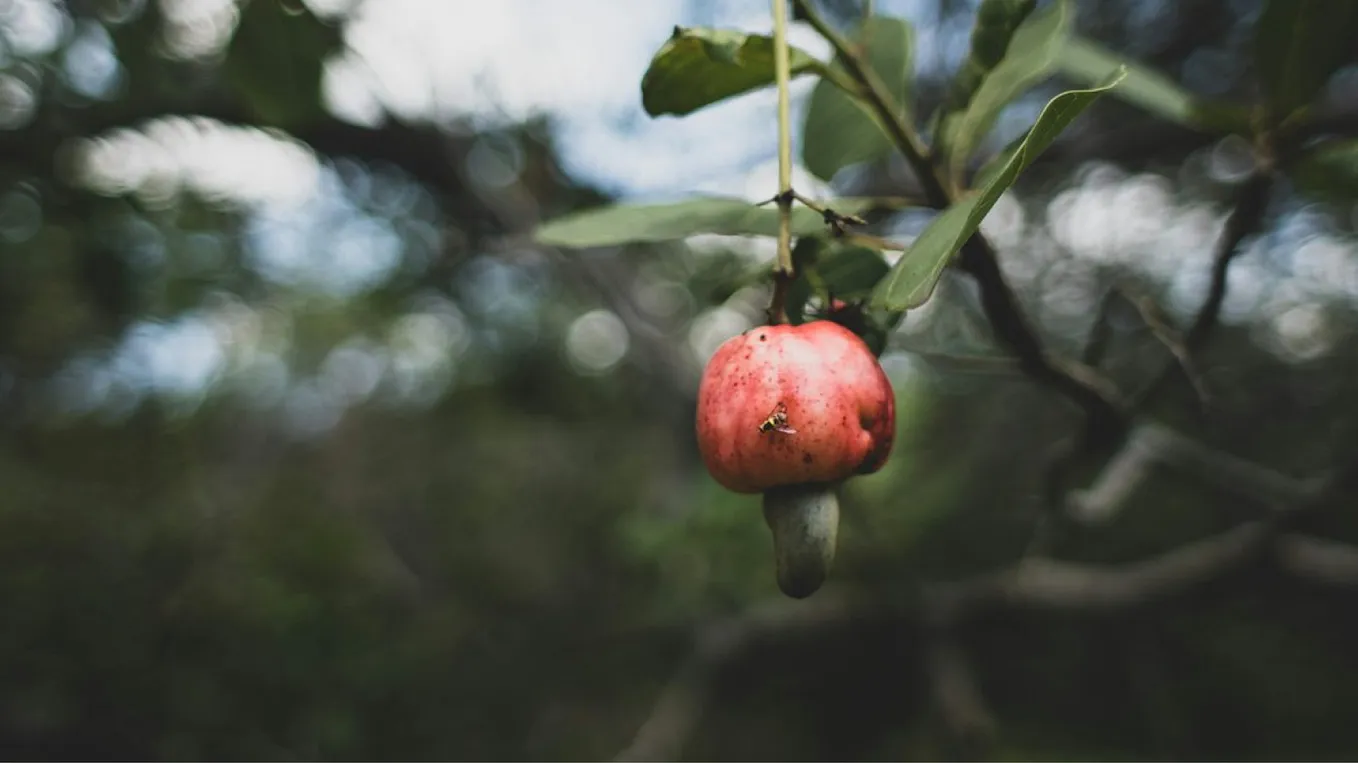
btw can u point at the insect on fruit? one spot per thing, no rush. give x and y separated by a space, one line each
777 421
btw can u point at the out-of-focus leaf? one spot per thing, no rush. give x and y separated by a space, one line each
851 272
1329 171
844 273
1031 57
839 129
1298 44
1088 63
697 67
912 280
275 59
996 21
625 223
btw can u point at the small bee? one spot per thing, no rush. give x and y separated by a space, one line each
777 421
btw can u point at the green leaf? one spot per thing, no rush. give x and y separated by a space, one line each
1088 63
832 269
852 272
1298 44
997 163
996 21
912 280
1031 57
1329 171
839 129
805 254
275 60
626 223
698 67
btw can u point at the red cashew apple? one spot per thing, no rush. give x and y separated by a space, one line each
792 412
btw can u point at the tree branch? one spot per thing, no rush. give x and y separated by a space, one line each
1151 444
1042 583
958 698
1318 559
680 706
1038 583
1246 217
1045 583
1105 410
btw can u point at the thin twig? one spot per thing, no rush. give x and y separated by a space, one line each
1244 220
1100 332
1246 217
1160 327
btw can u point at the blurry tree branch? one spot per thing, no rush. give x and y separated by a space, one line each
1245 218
1048 583
679 708
1044 583
1159 324
958 697
1037 583
1034 583
1151 444
1318 559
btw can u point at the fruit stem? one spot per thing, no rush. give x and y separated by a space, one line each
783 273
805 523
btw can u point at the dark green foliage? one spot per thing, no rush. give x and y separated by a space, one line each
1298 45
699 67
275 61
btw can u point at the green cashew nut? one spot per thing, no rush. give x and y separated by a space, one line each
805 523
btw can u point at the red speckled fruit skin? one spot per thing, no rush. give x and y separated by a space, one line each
837 397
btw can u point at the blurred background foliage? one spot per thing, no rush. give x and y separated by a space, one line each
309 452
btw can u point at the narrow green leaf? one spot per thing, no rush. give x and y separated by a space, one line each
912 280
1031 57
1298 44
1087 63
996 22
1329 171
626 223
839 129
699 67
